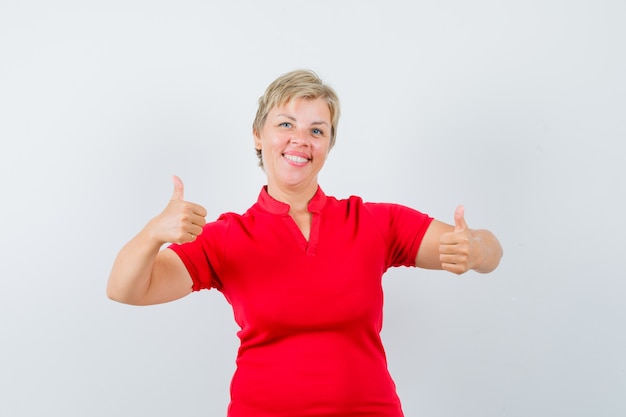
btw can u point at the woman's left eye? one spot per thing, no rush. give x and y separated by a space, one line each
317 132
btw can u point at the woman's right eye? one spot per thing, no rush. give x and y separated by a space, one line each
285 124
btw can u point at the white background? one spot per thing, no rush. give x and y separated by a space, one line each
515 109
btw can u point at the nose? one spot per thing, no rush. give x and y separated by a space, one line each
299 138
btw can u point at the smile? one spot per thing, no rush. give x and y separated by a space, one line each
296 159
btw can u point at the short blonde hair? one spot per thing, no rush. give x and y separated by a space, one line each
293 85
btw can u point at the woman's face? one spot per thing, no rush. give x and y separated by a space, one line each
294 142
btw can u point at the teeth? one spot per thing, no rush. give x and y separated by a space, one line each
297 159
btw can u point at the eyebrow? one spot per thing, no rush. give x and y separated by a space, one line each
321 122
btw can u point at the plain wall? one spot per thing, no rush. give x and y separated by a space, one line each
515 109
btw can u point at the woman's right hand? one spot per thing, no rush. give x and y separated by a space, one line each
181 221
144 274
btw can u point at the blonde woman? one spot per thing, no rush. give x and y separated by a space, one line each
302 270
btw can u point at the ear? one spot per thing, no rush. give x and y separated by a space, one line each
257 139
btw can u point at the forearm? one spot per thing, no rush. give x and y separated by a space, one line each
142 274
131 273
488 250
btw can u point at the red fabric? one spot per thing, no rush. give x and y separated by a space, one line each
310 312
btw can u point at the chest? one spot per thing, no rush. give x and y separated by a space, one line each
332 279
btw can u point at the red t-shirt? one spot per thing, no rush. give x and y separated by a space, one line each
310 312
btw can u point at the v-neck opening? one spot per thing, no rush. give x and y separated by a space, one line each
308 246
267 203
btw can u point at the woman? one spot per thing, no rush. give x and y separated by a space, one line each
301 270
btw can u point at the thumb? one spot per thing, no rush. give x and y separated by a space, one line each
459 219
179 189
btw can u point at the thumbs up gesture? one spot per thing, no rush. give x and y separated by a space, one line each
180 221
458 251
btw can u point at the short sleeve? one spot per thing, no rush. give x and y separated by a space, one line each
403 229
204 257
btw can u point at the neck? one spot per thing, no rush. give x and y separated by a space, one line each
297 198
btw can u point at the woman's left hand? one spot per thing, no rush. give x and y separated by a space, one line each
458 250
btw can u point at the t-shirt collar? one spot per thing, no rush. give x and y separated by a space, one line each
268 203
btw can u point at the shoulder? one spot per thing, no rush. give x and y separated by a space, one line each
366 213
345 201
357 203
377 208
